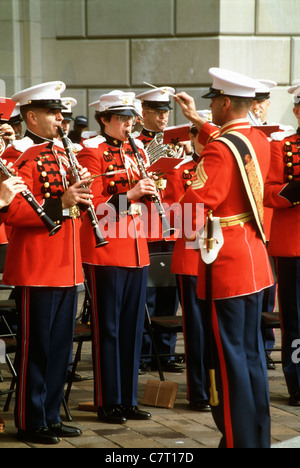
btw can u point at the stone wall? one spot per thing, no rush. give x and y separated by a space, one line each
95 46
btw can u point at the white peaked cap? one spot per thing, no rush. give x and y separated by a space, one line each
16 111
116 102
68 102
42 95
161 94
263 91
230 83
158 98
295 90
205 114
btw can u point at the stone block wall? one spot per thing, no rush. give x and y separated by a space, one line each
95 46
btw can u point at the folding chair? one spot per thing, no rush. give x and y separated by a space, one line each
8 340
7 334
82 334
160 276
271 320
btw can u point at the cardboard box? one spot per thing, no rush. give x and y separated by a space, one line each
160 394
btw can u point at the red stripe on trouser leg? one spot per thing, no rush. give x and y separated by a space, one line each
184 334
98 399
21 413
224 378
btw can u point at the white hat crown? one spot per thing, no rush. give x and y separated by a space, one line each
295 90
50 91
114 101
161 94
230 83
68 102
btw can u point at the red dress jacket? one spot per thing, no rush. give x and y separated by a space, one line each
175 181
185 256
282 193
34 258
242 266
119 220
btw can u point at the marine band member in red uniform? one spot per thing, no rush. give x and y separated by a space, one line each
240 268
9 188
282 194
185 266
156 109
49 268
117 272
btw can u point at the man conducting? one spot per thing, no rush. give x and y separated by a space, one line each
229 184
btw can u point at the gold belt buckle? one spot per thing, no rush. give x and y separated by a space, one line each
135 209
74 212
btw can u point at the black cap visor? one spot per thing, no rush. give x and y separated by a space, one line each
47 103
213 93
159 105
131 112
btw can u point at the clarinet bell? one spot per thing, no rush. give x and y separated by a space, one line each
167 230
55 229
101 243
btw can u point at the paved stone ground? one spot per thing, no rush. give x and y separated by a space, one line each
177 428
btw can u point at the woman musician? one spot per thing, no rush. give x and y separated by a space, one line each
116 273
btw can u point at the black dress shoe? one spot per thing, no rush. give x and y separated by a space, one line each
144 368
60 430
270 362
112 415
133 412
41 436
200 406
73 378
172 366
294 400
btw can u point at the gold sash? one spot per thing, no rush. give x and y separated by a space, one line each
246 159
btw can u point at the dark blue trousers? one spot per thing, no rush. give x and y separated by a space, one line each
45 336
242 415
289 304
118 314
194 339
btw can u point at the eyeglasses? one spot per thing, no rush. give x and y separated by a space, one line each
126 118
159 112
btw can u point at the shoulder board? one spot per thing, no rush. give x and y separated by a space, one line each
75 146
23 144
30 153
186 160
89 134
279 136
139 144
93 142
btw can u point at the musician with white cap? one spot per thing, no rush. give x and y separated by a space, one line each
260 106
67 113
257 116
156 108
282 194
49 267
233 267
117 272
16 122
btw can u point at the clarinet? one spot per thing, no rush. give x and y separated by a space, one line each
167 231
52 227
100 241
